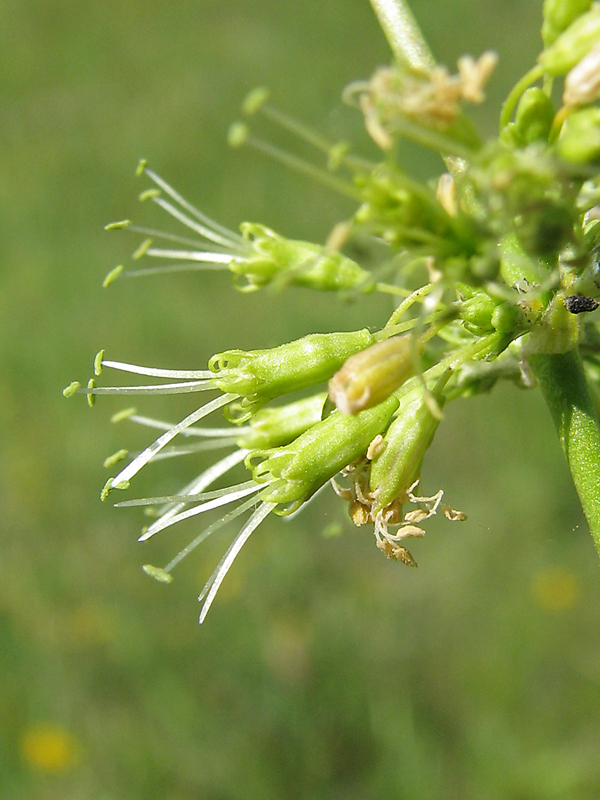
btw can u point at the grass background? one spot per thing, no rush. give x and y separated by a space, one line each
323 670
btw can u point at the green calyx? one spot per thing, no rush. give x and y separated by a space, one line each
273 427
533 119
398 465
261 375
296 263
295 472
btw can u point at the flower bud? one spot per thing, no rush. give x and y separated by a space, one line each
579 140
476 310
369 377
559 14
506 318
573 44
297 263
261 375
296 471
273 427
398 465
534 115
582 84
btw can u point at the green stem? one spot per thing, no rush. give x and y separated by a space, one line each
565 391
511 101
403 34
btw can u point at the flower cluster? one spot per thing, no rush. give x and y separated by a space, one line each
495 271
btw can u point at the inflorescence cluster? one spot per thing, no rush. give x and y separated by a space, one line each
494 266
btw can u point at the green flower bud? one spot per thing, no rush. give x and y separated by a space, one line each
398 464
573 44
534 116
295 472
369 377
261 375
582 84
506 318
559 14
579 140
273 427
297 263
476 312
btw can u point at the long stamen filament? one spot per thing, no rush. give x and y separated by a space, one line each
183 267
164 388
211 433
217 502
187 497
214 582
132 469
158 373
203 256
224 233
205 232
208 531
188 449
204 480
304 167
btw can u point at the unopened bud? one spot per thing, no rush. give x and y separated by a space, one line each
559 14
399 464
296 263
273 427
579 140
294 473
534 115
369 377
266 374
582 84
573 44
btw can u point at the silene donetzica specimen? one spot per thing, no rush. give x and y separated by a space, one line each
496 272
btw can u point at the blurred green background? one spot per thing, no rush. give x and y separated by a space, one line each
324 670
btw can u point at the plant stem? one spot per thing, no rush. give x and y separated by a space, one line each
562 381
532 76
403 34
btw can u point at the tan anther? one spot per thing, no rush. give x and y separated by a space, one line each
418 515
474 74
359 513
453 514
376 447
338 236
396 552
434 273
446 194
407 531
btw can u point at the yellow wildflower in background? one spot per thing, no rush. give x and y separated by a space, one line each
49 748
